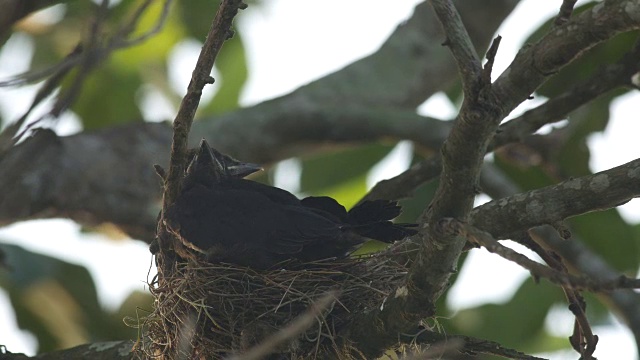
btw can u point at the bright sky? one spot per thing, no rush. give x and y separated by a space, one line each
290 44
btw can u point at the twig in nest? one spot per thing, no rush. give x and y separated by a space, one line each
237 308
296 327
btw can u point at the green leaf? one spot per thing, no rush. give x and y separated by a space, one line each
609 236
56 300
329 170
349 192
108 98
231 64
527 178
573 157
68 288
517 324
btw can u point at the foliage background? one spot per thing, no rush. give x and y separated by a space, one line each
56 299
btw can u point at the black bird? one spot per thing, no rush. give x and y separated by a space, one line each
371 219
230 219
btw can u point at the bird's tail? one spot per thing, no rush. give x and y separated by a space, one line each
372 219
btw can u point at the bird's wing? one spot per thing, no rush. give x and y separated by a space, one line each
238 220
326 204
374 211
304 227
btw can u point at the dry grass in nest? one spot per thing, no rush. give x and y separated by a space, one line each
209 311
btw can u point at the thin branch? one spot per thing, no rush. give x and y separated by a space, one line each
562 45
459 43
625 302
470 345
219 32
537 270
491 57
604 79
117 41
403 185
87 56
582 340
565 12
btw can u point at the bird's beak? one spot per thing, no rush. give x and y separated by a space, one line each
241 169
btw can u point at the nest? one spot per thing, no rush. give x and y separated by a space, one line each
211 311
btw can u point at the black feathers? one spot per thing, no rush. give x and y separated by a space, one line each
230 219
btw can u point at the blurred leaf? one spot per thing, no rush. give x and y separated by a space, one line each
197 16
527 178
414 206
108 98
608 235
329 170
369 247
56 301
528 309
68 287
232 67
574 154
349 192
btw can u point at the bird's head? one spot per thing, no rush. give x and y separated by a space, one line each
209 166
204 168
235 168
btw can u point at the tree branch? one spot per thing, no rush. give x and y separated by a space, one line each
606 78
583 261
481 112
577 257
552 204
459 43
470 346
99 164
536 62
537 270
219 32
112 350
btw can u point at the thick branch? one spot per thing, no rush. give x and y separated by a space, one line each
577 257
482 111
606 78
105 175
561 46
552 204
113 350
110 169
